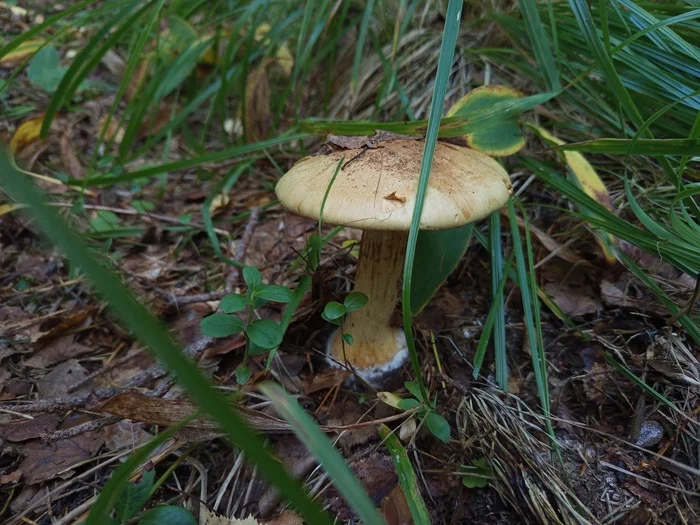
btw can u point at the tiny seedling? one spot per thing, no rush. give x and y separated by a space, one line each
477 474
424 410
335 312
133 499
262 335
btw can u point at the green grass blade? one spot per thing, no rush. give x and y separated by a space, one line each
332 461
497 276
540 44
216 156
361 38
449 39
654 147
407 476
153 335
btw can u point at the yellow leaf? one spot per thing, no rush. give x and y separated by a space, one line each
389 398
26 133
21 53
9 208
588 179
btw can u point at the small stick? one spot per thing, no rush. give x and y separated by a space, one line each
67 433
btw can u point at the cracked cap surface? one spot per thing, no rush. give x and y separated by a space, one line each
375 190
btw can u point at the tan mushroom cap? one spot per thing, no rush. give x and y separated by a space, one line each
376 189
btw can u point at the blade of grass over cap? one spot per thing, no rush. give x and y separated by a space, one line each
316 441
149 330
449 40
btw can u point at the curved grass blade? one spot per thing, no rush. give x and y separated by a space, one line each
149 330
361 37
656 147
540 44
332 461
407 476
449 40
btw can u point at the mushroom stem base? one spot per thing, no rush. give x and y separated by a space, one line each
375 375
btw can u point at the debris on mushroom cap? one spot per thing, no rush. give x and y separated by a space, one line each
375 188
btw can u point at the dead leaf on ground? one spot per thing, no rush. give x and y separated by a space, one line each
69 158
44 462
57 351
395 508
71 321
12 477
125 434
626 293
20 53
27 429
26 134
286 518
57 382
574 301
258 118
152 124
653 264
333 378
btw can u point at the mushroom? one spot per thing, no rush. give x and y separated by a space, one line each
375 191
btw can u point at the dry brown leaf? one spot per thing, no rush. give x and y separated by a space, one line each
69 158
110 130
57 351
21 53
573 300
73 320
58 382
549 243
26 134
395 508
44 462
125 434
258 118
333 378
29 428
286 518
154 123
12 477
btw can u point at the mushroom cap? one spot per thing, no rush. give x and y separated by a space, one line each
376 188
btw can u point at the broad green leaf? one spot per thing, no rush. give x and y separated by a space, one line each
498 138
252 276
167 514
134 496
438 426
265 333
45 70
348 339
242 374
407 476
477 474
104 221
276 293
233 302
407 404
221 325
414 389
334 310
355 301
437 255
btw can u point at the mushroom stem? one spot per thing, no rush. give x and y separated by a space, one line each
376 343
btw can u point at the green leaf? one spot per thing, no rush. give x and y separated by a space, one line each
147 328
221 325
142 206
233 302
104 221
688 147
242 374
265 333
498 137
252 276
355 301
334 311
276 293
331 460
407 476
44 70
167 514
438 426
407 404
348 339
414 389
540 44
134 496
477 475
437 255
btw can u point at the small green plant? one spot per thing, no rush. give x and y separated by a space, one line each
335 312
262 335
424 410
134 497
477 474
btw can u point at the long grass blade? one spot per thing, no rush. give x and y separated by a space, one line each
540 44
